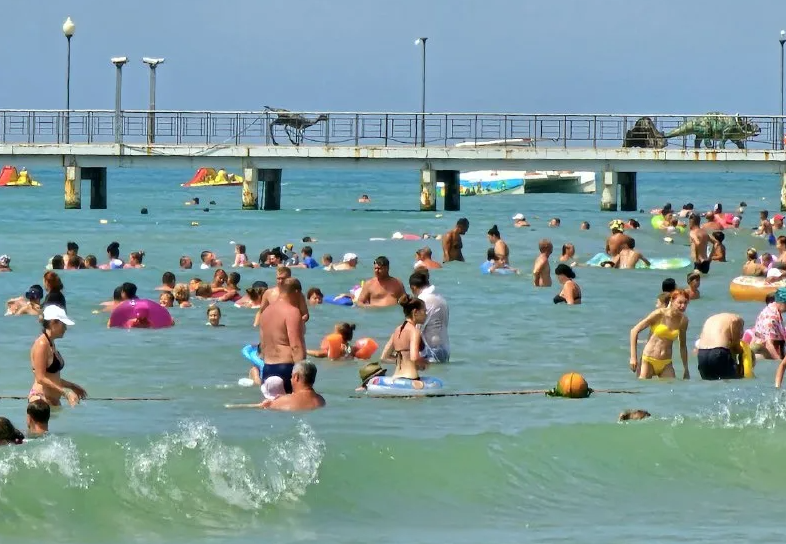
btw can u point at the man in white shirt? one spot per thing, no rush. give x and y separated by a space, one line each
435 329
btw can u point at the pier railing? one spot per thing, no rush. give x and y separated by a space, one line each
227 128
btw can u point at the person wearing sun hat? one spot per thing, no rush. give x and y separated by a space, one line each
520 221
48 363
5 263
618 238
369 371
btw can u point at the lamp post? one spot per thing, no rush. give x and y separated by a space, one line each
780 145
119 62
151 116
422 41
68 30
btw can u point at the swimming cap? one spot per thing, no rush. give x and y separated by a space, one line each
780 295
617 224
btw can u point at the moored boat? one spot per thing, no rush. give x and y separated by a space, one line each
9 177
208 177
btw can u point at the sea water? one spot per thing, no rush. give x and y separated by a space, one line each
705 468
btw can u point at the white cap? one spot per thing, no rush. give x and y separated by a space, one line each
56 313
397 236
349 257
518 217
668 240
273 387
774 273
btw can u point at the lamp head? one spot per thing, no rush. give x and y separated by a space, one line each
119 61
152 62
69 28
420 41
783 36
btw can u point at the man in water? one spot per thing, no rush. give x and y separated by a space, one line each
38 413
628 257
425 260
383 289
209 260
719 347
348 262
618 238
302 396
699 240
451 241
271 295
185 262
541 272
282 333
434 331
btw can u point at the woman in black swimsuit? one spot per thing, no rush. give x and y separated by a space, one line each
47 362
54 288
571 292
405 343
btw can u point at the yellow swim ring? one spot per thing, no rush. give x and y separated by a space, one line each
748 361
657 221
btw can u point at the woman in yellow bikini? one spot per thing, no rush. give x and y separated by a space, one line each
668 324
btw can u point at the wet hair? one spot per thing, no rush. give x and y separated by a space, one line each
664 298
39 411
585 223
494 231
241 248
72 246
668 285
263 257
220 272
129 289
314 291
752 253
677 293
565 248
764 214
138 255
490 254
463 222
544 244
419 279
8 433
180 292
113 250
57 262
117 295
382 261
52 280
291 285
327 257
633 223
211 308
555 220
720 237
255 294
634 414
234 278
409 304
307 251
307 371
346 330
204 290
284 270
168 295
770 298
74 261
694 275
425 251
168 278
564 270
91 261
203 255
185 259
688 206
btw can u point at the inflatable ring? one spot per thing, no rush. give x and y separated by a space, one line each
485 268
657 221
127 313
338 301
748 361
752 288
334 345
402 386
364 348
251 352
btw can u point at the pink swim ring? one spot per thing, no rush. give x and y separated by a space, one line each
140 313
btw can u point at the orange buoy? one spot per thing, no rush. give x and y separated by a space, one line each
334 345
573 385
365 348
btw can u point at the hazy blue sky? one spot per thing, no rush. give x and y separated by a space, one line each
670 56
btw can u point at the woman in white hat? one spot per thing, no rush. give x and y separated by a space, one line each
47 362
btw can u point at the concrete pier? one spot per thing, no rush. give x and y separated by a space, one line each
608 195
628 193
428 190
250 195
271 177
98 194
73 188
783 191
452 193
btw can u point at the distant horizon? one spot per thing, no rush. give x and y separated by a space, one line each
568 56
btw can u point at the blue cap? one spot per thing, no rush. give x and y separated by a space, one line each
780 295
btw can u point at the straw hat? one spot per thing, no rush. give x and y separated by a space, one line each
369 371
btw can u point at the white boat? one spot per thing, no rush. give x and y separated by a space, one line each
490 182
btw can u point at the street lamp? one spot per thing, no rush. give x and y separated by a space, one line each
151 116
68 30
782 40
119 62
422 41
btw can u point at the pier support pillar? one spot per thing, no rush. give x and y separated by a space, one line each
452 192
97 177
271 177
608 196
783 191
73 188
627 183
428 190
250 196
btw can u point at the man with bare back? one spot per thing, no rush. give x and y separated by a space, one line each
383 289
699 240
541 272
451 241
271 295
282 336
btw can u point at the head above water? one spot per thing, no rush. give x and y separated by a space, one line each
412 306
494 232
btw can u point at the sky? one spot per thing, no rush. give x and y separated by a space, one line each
515 56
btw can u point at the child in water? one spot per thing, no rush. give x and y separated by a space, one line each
166 299
214 316
347 351
240 256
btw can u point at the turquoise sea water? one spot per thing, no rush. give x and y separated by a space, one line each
705 468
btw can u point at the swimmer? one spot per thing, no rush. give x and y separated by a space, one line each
219 280
719 347
634 415
366 372
232 289
752 266
406 344
186 263
327 262
718 249
381 290
425 260
699 240
712 224
113 254
314 296
668 324
307 258
765 227
617 238
72 250
214 316
241 259
554 222
166 299
627 258
168 282
347 350
209 260
28 304
253 296
452 243
348 262
585 225
694 282
283 273
117 298
181 295
364 199
303 396
541 272
135 260
493 264
500 247
520 221
570 292
568 254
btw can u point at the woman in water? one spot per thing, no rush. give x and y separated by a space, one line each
752 266
405 343
47 363
29 304
214 316
570 292
9 434
135 260
346 350
501 249
54 288
667 324
568 254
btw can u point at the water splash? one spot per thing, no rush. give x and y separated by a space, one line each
53 455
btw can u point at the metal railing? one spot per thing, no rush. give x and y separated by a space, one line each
227 128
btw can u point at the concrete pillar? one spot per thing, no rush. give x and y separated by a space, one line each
97 177
608 196
250 196
452 192
627 183
783 191
271 177
73 188
428 190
